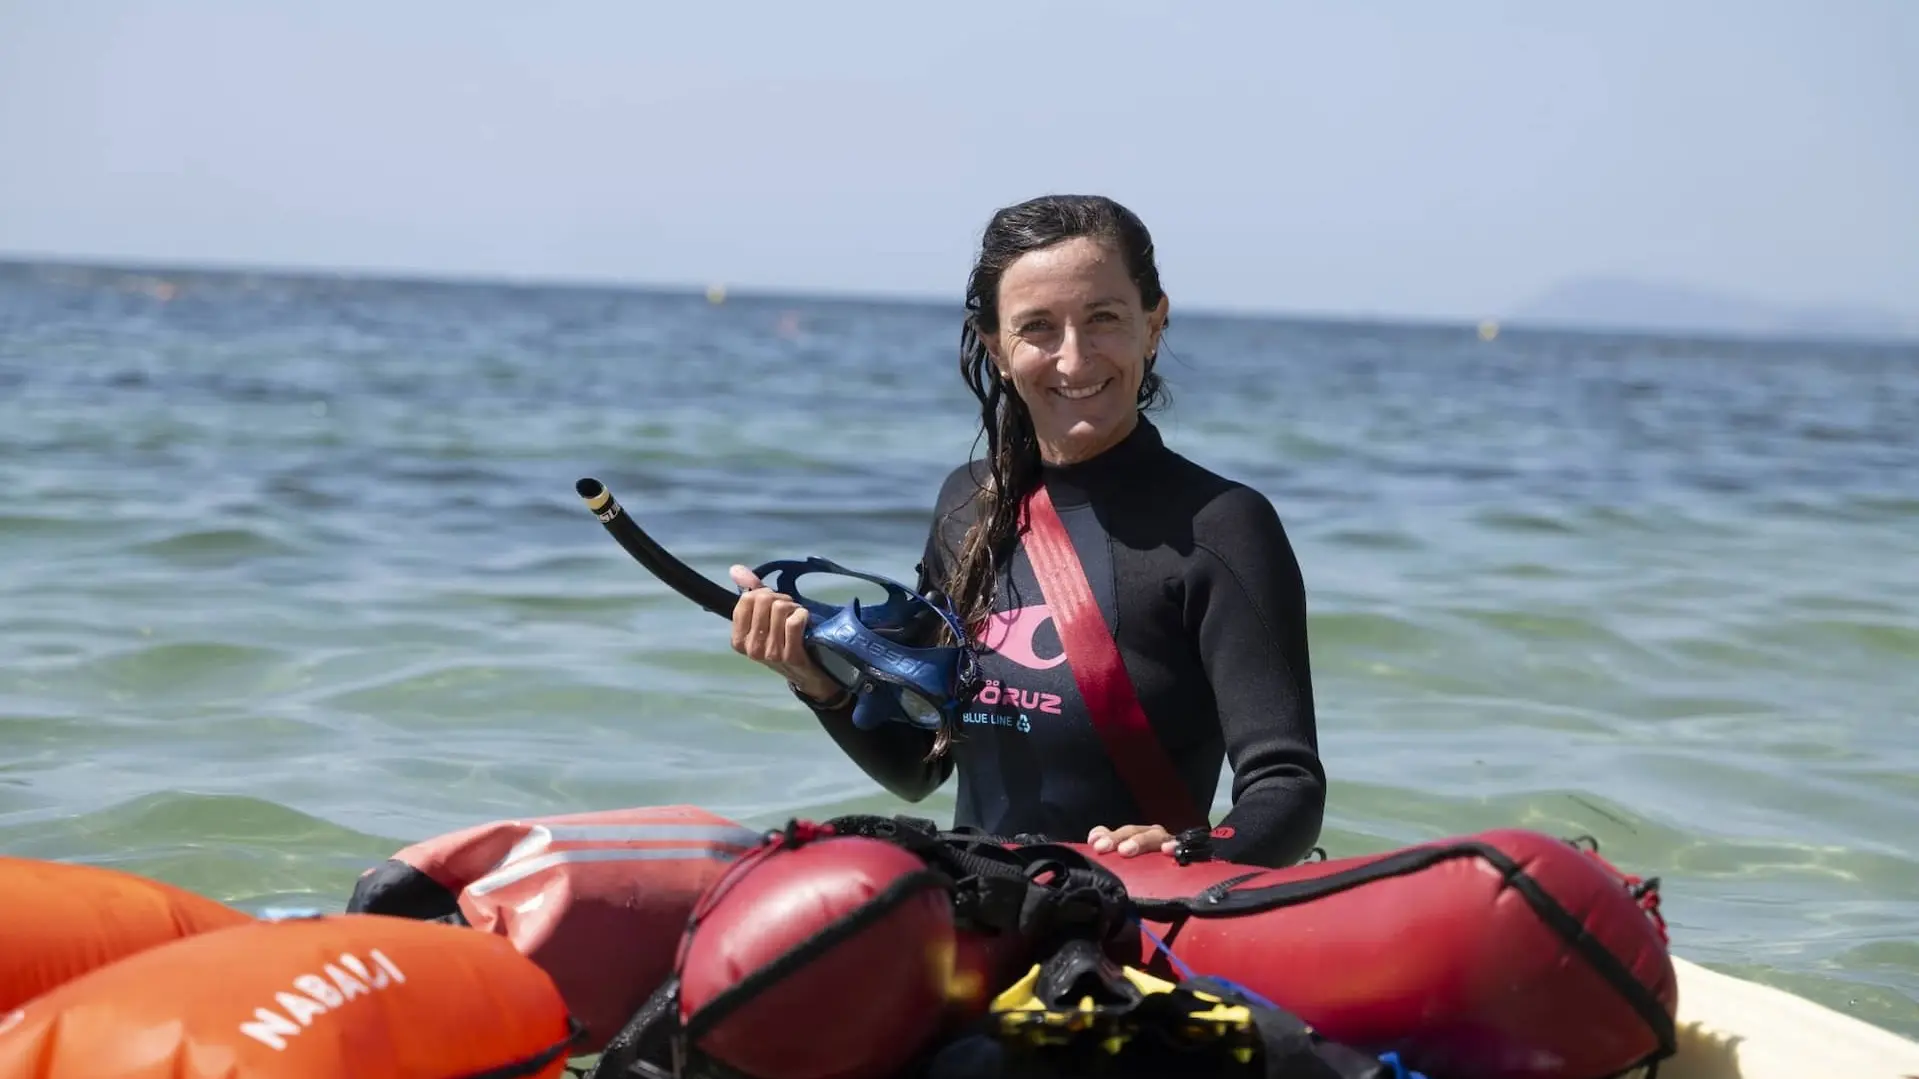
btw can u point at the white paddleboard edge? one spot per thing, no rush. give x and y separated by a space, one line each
1730 1028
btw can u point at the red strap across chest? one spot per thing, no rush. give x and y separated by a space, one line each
1104 685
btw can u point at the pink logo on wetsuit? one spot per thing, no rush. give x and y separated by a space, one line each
1012 633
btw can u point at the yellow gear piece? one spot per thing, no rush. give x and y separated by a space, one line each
1134 1001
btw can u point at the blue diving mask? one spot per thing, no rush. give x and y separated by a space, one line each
865 649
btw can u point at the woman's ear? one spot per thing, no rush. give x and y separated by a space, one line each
999 363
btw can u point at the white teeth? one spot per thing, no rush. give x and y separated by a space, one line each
1079 394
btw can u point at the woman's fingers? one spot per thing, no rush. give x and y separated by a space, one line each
792 637
1154 838
1130 839
1138 839
742 622
766 626
750 623
770 628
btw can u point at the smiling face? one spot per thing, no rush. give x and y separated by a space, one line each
1073 339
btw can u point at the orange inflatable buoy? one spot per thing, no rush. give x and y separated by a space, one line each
360 995
64 920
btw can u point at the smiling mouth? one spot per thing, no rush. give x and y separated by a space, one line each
1083 392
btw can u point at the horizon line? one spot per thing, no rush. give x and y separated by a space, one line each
587 282
730 291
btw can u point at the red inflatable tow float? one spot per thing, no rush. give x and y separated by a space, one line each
819 960
597 899
1503 954
1508 954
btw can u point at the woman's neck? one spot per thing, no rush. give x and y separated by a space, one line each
1070 452
1106 473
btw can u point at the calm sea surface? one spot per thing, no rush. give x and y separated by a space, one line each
292 573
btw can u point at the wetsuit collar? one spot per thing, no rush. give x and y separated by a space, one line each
1095 477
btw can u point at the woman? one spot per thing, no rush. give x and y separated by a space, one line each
1193 574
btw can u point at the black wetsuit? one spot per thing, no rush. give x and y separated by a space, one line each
1203 595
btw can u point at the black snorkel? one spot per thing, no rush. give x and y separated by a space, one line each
676 574
861 647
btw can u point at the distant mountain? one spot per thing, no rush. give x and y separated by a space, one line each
1617 303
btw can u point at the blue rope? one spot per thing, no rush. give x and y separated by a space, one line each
1187 973
1400 1070
1391 1060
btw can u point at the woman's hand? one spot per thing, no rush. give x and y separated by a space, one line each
770 629
1132 839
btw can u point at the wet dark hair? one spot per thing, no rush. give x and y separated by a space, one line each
1012 448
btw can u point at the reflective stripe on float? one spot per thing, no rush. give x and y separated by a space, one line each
718 842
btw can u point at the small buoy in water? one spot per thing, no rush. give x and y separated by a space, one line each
716 294
290 914
1488 329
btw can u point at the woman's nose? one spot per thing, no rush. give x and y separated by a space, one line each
1073 353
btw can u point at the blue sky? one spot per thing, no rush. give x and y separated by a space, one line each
1412 158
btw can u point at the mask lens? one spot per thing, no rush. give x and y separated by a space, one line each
919 711
893 673
837 667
